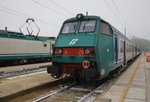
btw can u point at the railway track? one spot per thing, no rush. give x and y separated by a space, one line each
66 94
35 92
76 93
79 93
4 74
54 93
66 91
90 97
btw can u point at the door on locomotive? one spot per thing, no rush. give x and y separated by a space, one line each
124 53
115 48
105 48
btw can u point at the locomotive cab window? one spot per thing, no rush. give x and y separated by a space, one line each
105 28
69 27
87 26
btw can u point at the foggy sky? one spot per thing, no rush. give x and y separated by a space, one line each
133 15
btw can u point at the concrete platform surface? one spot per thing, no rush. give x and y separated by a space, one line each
132 86
13 86
23 67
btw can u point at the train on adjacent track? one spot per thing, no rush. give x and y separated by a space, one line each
17 48
89 48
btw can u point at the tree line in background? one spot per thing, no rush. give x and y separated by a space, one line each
143 44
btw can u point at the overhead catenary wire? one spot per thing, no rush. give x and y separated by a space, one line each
45 6
20 14
120 14
61 7
113 12
14 11
11 13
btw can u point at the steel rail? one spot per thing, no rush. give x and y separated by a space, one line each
54 93
89 95
20 72
84 98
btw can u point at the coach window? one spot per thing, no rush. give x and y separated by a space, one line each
105 28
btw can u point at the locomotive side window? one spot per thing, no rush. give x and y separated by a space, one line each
87 26
105 28
69 28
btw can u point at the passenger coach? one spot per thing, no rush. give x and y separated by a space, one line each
88 47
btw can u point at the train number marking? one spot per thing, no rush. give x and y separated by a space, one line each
73 41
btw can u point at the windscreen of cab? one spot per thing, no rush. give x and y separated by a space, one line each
86 26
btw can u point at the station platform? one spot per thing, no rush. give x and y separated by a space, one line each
23 67
132 86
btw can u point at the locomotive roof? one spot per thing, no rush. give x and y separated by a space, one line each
18 35
97 17
85 17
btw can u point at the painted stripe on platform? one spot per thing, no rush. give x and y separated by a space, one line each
127 86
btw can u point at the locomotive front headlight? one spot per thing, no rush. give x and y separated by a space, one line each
55 52
79 16
87 51
60 51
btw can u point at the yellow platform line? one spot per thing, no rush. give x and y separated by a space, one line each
127 86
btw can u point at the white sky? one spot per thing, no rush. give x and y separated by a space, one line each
135 14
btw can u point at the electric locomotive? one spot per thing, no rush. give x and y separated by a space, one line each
17 48
88 47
